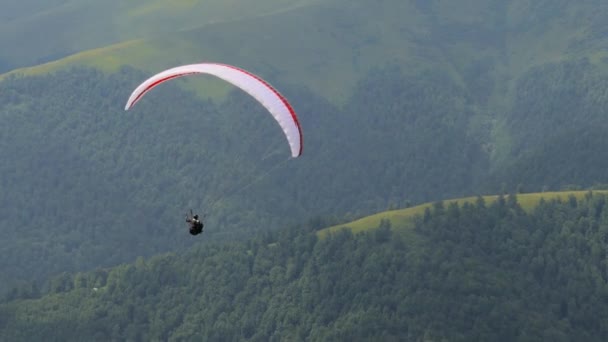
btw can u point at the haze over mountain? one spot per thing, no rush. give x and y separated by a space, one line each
401 102
74 26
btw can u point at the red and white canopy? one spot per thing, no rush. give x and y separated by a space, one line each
255 86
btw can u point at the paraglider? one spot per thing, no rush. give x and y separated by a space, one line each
195 225
262 91
276 104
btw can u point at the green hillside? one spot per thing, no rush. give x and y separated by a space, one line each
478 272
328 46
73 26
305 45
75 153
404 218
400 102
499 53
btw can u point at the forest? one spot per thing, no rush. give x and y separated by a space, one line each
108 186
401 102
103 186
478 272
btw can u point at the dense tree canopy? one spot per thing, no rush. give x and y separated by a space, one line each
85 184
401 102
472 273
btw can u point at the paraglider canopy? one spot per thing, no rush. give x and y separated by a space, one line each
262 91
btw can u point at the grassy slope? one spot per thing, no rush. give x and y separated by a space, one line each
401 219
80 25
328 45
323 46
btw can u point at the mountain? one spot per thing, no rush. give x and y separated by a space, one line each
404 219
476 271
35 31
484 45
401 102
109 186
500 54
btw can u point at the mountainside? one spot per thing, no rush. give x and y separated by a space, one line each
487 272
405 219
35 31
400 102
484 45
512 61
98 178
